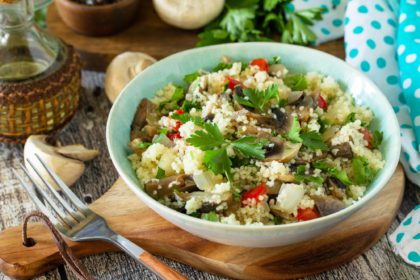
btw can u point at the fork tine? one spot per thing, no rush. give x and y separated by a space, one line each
61 216
73 198
35 199
55 193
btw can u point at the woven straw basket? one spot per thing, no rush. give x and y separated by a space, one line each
40 106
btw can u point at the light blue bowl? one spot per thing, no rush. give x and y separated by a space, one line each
296 59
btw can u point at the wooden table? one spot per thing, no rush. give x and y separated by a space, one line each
88 127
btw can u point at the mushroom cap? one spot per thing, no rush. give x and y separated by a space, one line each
188 14
122 69
69 170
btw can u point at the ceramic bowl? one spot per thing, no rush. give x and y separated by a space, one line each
297 59
97 20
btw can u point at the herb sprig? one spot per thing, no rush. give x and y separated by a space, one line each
259 99
215 148
260 20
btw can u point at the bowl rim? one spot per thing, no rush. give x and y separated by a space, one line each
382 180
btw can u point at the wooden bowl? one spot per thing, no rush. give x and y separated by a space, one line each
97 20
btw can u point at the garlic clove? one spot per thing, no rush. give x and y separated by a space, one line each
78 152
122 69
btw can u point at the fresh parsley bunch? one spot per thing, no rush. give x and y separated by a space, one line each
261 20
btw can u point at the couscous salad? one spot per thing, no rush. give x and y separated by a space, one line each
250 143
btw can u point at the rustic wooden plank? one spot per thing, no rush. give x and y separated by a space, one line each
89 128
148 34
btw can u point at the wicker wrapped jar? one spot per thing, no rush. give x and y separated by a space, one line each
40 106
39 76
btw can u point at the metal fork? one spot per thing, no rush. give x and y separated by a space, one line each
82 224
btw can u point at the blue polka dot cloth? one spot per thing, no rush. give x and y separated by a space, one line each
382 39
406 238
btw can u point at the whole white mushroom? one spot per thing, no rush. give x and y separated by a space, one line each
122 69
188 14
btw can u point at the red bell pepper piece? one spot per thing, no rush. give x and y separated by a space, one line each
232 83
254 193
322 103
307 214
173 136
367 135
261 63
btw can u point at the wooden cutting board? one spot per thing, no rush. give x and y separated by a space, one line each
147 34
127 215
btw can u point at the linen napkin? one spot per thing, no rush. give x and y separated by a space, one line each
382 39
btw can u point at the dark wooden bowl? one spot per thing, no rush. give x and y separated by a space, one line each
97 20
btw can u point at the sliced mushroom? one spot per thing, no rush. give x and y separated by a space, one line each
77 151
283 153
204 196
337 188
307 101
66 161
136 146
281 123
160 188
145 135
300 98
343 150
294 97
253 130
327 205
208 207
278 70
146 114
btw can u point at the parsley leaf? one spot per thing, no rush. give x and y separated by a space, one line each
255 20
249 146
297 30
301 177
283 102
210 216
313 140
207 139
377 138
222 66
350 117
160 173
293 134
362 173
340 175
296 82
218 161
259 99
189 78
143 145
183 118
188 105
171 104
275 60
332 171
162 132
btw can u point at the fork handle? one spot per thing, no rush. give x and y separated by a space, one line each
159 268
